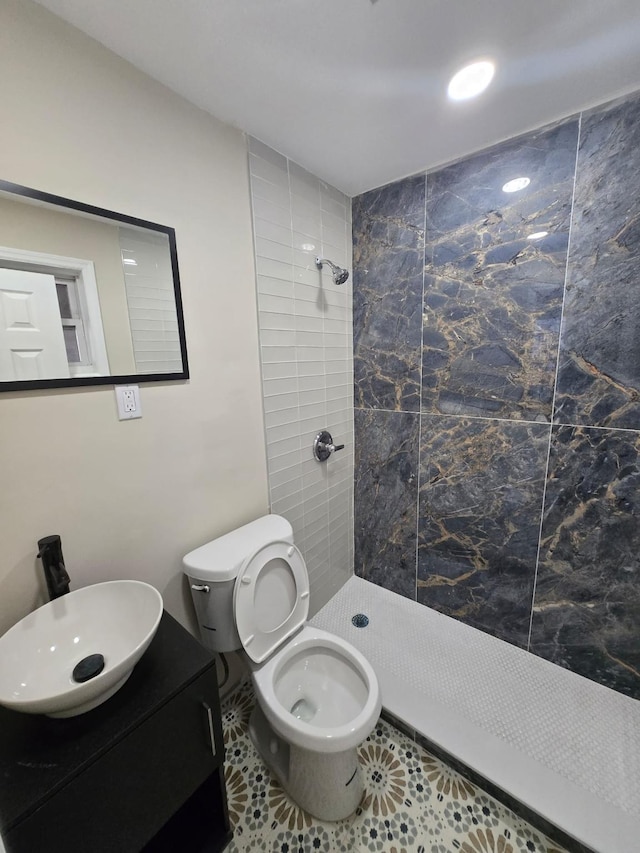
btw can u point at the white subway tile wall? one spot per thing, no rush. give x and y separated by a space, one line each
307 359
151 300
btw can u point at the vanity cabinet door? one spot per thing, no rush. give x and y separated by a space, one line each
123 799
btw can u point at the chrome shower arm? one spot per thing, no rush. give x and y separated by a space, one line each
340 275
321 261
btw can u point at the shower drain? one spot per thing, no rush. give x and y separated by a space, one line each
360 620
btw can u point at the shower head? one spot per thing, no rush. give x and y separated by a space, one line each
340 275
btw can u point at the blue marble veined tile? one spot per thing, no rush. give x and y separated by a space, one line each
386 493
492 296
388 258
599 366
587 603
481 487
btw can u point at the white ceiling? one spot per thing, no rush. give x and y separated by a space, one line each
354 90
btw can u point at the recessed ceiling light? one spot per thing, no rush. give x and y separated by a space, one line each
538 235
471 80
515 185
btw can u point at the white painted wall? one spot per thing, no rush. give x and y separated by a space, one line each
130 498
307 359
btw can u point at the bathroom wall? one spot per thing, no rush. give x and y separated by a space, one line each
130 498
306 348
497 380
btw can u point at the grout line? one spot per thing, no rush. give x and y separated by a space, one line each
593 426
535 572
265 429
351 532
566 269
555 388
424 253
503 420
294 313
420 411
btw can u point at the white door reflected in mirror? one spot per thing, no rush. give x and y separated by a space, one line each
32 342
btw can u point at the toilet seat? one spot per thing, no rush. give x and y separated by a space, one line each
270 598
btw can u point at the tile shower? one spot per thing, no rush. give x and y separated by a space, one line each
497 391
306 352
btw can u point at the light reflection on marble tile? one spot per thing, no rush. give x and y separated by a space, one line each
493 297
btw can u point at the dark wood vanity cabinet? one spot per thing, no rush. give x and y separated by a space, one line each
143 771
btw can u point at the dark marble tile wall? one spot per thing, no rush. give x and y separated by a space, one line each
493 296
586 614
599 371
388 261
386 482
471 340
481 485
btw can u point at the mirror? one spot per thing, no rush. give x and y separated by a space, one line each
87 296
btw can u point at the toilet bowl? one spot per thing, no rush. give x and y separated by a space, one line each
318 692
318 696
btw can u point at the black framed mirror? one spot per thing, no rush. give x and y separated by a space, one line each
87 296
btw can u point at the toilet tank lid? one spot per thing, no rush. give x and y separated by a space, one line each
220 559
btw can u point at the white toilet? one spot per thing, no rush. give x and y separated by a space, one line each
318 696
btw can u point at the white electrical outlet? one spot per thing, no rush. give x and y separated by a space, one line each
128 399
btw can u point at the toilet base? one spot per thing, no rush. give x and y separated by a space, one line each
326 785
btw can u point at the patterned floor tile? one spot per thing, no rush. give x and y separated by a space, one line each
413 802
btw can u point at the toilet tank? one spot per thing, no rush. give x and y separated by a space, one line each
212 570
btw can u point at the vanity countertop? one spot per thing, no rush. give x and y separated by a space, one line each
40 755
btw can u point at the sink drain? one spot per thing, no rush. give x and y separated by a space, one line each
360 620
88 668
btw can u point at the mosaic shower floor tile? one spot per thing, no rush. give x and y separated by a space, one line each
412 802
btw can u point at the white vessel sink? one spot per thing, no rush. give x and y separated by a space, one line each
38 656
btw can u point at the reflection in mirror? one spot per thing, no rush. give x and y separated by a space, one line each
87 296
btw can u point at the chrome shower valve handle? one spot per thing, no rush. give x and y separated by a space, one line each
323 446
